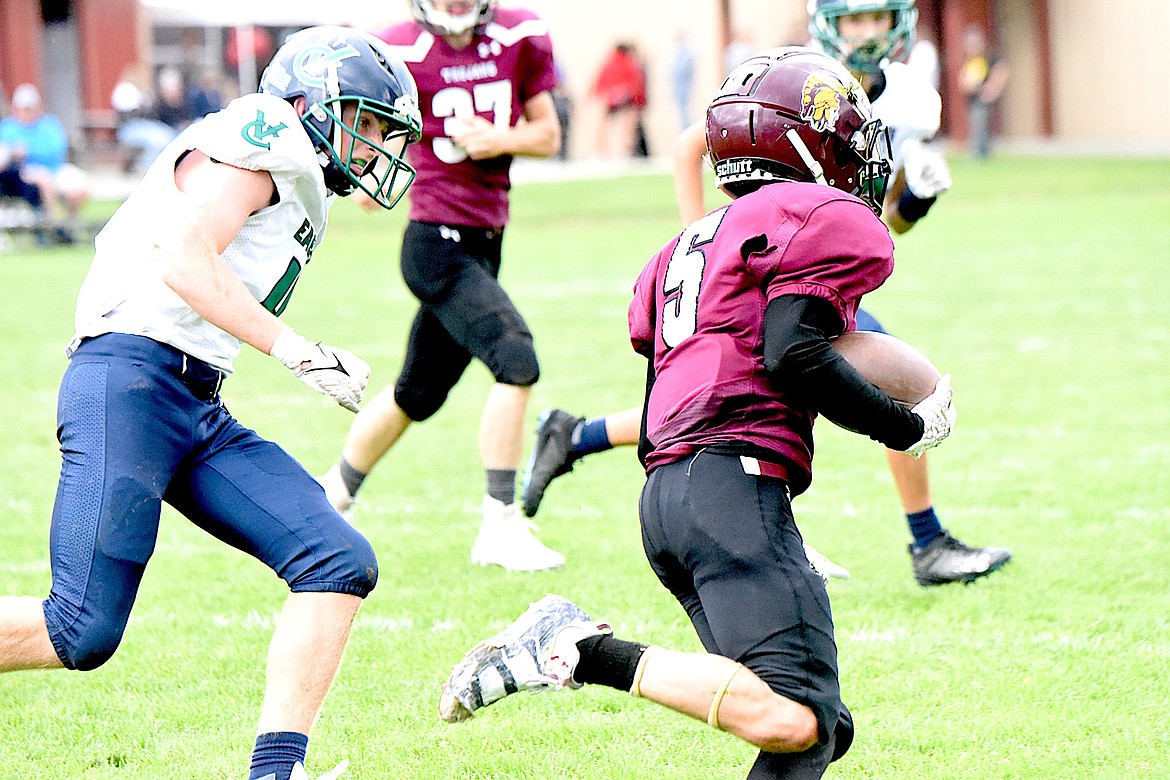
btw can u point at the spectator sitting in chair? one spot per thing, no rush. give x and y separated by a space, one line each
33 167
139 128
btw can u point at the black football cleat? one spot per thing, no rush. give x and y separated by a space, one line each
551 457
947 560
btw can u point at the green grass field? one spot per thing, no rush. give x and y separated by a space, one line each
1040 284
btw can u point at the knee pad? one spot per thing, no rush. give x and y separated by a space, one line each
515 361
85 641
505 346
419 403
343 563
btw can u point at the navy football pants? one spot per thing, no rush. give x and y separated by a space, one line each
141 423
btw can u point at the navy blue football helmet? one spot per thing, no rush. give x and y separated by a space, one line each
359 96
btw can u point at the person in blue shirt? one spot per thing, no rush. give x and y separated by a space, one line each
34 163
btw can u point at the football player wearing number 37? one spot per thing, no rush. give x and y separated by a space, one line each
484 78
201 259
734 316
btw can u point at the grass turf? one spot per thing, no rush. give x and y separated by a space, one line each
1040 284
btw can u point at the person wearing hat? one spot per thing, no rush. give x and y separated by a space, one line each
34 166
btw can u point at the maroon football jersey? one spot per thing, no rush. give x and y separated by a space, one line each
698 313
508 63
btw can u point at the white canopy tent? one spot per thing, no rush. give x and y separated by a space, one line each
365 14
246 15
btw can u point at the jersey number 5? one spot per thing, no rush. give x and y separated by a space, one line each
684 278
455 104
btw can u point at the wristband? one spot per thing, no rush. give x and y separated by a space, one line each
913 208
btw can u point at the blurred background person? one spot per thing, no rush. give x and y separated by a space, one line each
682 76
171 106
738 49
205 94
982 79
621 87
140 131
34 148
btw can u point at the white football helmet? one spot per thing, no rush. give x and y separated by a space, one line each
476 16
863 55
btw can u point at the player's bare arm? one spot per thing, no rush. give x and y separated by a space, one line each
213 203
689 150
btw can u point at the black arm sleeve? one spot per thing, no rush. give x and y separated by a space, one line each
799 357
644 445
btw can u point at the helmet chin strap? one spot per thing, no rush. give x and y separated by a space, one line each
815 167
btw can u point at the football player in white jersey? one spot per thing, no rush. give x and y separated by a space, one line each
200 259
872 38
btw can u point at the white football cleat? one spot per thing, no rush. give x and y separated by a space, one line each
506 539
538 652
823 566
337 494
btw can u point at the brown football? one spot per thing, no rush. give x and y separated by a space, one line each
901 370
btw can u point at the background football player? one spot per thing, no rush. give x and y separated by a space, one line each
872 38
199 260
735 317
485 78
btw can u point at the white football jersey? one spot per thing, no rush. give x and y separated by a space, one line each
909 106
124 291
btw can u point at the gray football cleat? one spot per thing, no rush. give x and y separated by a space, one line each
538 652
823 566
946 560
552 456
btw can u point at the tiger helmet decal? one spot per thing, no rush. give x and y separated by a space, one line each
820 102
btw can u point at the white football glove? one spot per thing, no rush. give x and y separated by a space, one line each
938 417
335 372
927 174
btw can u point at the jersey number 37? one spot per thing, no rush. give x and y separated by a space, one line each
455 104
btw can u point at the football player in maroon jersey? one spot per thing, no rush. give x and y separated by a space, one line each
485 78
872 38
735 317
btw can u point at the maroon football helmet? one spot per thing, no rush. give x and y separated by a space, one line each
794 114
